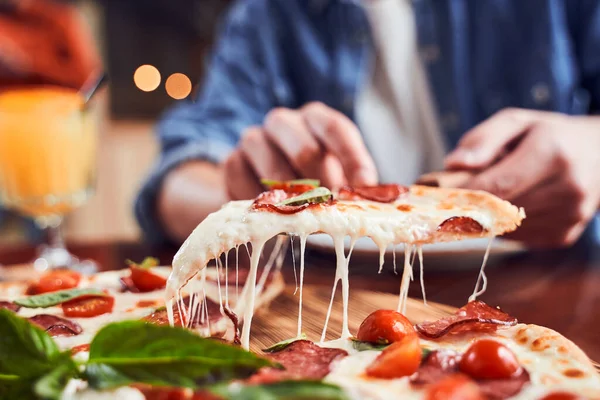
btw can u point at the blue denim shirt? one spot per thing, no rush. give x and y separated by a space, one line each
481 56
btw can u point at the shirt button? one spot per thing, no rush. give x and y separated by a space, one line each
430 54
540 93
449 121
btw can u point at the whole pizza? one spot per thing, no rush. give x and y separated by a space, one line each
149 332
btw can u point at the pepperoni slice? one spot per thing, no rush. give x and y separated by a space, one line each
387 193
476 316
88 306
9 305
302 360
55 280
145 280
267 201
56 326
461 225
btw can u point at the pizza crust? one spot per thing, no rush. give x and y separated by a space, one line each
507 217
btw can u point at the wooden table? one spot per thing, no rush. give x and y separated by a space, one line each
558 289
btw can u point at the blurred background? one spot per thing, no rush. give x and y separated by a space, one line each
168 39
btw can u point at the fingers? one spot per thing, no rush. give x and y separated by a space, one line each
485 143
288 131
240 180
264 158
549 231
532 162
341 137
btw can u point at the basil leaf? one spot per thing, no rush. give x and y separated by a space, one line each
148 262
52 385
359 345
21 389
26 351
317 195
28 354
134 351
310 182
294 390
51 299
283 344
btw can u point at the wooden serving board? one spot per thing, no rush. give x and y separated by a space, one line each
280 320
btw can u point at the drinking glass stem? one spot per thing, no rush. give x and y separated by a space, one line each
54 254
55 236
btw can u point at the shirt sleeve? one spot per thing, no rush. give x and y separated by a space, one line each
235 95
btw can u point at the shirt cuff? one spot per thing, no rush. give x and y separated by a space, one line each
145 204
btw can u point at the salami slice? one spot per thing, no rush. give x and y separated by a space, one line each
500 389
56 326
301 360
9 305
381 193
476 316
461 225
436 366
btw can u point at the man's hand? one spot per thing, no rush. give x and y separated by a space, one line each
548 163
312 142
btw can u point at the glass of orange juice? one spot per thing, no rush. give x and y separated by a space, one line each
47 161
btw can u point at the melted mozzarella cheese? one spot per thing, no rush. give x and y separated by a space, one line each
237 224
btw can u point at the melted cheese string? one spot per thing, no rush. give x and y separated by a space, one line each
278 249
237 274
294 264
302 250
341 274
482 277
217 265
227 278
394 258
404 285
249 293
422 279
381 258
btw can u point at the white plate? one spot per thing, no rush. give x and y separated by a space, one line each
463 254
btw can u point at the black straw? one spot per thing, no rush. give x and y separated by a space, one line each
91 86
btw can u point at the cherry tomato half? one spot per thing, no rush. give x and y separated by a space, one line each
145 280
400 359
561 396
55 280
385 326
454 387
489 359
88 306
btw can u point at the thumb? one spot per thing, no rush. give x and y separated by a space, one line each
485 143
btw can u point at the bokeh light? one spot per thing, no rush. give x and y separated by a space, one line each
146 77
178 86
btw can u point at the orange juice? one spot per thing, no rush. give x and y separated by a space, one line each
47 151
